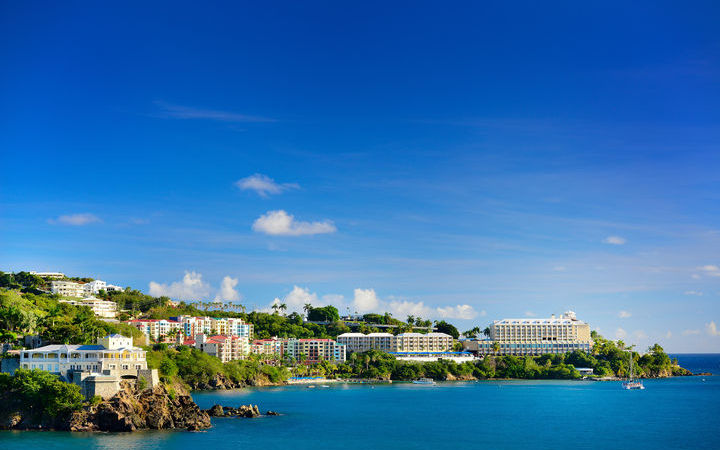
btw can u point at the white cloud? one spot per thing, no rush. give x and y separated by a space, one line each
75 220
530 314
712 329
263 185
698 293
640 334
695 276
614 240
280 223
192 287
458 312
620 333
711 270
297 298
559 268
365 300
170 111
624 314
227 291
668 335
690 332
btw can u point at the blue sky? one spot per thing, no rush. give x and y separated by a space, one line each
468 161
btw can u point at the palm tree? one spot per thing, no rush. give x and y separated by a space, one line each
283 308
307 308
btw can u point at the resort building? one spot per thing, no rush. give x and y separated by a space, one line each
402 343
105 309
534 336
115 354
272 348
50 275
189 327
308 351
226 348
67 288
313 351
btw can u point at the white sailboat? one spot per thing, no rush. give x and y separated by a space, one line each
631 382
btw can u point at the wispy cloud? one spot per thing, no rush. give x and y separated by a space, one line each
624 314
280 223
171 111
615 240
710 270
697 293
263 185
75 220
530 314
712 329
690 332
620 333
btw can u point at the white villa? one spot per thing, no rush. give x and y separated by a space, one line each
67 288
114 353
105 309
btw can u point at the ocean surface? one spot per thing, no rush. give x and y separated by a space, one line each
675 413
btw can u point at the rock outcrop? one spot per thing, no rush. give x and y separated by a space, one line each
128 410
248 411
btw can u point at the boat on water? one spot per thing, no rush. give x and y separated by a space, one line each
631 382
424 381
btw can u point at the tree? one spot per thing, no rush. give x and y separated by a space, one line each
444 327
325 314
472 333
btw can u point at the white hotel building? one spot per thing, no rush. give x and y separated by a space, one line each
534 336
115 353
105 309
402 343
68 288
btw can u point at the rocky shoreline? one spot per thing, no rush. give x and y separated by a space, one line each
160 408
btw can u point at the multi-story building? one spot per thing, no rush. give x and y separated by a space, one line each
158 330
272 348
210 325
114 353
189 326
67 288
51 275
402 343
358 342
534 336
105 309
418 342
314 350
308 351
226 348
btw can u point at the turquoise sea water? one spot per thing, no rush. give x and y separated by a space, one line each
671 413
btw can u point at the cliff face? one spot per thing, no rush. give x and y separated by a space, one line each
128 410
